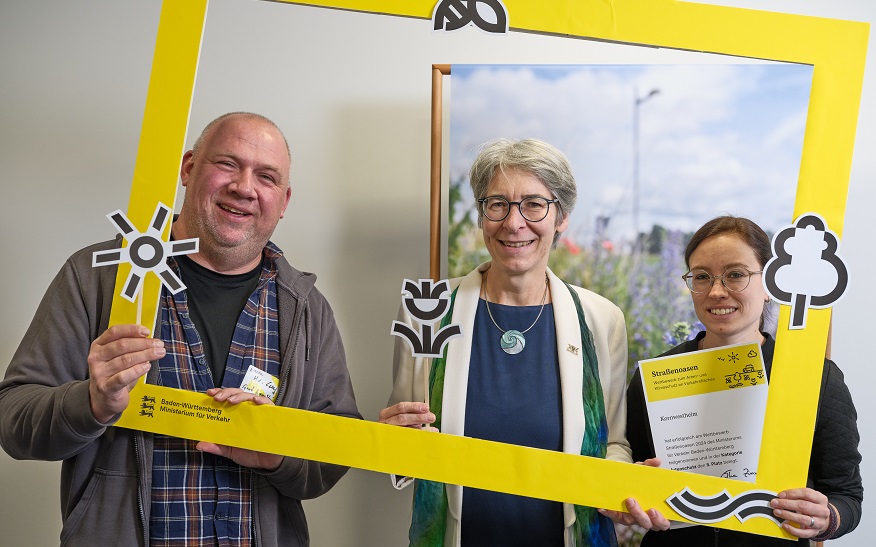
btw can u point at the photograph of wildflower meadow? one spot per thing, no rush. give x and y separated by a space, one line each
656 151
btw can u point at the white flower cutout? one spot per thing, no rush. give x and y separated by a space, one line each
145 252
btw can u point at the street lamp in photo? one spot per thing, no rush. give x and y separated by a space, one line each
636 104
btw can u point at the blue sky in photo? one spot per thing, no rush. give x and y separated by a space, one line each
724 138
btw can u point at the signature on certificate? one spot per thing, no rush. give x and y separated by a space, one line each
745 473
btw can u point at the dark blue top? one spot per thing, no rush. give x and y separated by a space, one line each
513 399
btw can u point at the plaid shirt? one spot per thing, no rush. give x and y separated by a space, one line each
199 499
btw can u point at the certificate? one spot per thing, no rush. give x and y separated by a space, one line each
706 410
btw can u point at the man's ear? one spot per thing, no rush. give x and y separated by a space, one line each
288 196
186 166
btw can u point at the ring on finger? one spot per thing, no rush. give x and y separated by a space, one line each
811 521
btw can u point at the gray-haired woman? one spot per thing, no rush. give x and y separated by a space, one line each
537 356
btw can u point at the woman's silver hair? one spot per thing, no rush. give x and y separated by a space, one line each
533 156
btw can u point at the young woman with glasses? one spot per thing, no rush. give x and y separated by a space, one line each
726 257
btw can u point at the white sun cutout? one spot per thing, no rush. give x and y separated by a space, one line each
146 252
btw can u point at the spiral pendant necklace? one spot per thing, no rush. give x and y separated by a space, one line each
513 341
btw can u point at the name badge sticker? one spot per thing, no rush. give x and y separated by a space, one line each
260 382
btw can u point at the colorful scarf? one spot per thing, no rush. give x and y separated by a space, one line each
429 519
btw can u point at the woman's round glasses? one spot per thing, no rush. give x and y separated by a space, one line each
534 209
734 280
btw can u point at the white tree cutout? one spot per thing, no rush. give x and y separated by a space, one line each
806 270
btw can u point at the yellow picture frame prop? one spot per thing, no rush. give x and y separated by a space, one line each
836 49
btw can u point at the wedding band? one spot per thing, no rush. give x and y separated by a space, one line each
812 522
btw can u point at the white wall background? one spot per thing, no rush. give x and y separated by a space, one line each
352 93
